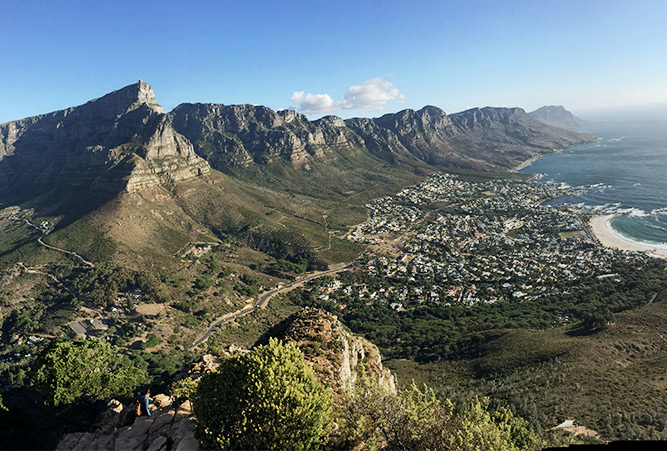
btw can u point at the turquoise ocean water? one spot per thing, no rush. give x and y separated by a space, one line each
625 172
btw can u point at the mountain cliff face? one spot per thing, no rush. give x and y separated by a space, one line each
487 138
558 116
238 135
125 141
120 141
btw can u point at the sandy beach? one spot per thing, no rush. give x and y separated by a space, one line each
608 237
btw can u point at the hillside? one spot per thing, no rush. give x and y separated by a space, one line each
611 381
121 221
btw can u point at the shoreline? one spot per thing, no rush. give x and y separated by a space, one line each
601 227
527 163
531 160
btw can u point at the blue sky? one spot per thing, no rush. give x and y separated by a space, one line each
350 58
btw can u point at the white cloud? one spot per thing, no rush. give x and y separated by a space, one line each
372 95
314 103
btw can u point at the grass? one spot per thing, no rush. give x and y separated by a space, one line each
247 330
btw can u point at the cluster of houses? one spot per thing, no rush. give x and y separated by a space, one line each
485 242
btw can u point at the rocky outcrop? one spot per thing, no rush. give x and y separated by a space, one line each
238 135
169 428
338 356
121 140
558 116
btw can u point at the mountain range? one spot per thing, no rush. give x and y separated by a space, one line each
125 141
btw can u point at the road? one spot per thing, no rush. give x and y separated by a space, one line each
58 249
264 299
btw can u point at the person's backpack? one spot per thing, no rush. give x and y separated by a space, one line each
137 408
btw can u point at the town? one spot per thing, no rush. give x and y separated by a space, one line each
457 242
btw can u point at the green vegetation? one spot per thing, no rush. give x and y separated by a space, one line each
438 331
100 285
291 250
267 399
73 371
83 237
416 419
611 381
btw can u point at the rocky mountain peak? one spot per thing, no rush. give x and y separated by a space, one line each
129 98
558 116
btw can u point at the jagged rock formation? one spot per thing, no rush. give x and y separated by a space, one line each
558 116
338 356
122 140
487 138
169 428
237 135
125 141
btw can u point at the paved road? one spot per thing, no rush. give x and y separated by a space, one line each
264 299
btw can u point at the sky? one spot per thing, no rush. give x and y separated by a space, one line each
348 58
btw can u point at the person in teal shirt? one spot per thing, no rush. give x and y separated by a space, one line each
143 401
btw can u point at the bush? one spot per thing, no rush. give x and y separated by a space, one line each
266 399
83 370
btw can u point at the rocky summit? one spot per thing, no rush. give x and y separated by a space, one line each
122 140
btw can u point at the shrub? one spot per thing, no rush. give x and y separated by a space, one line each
266 399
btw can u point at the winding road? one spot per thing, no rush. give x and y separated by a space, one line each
264 299
58 249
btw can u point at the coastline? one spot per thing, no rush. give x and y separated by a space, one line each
531 160
601 227
526 163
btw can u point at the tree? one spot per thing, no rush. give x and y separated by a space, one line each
83 370
596 318
266 399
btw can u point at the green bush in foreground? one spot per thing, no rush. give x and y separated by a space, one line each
83 370
266 399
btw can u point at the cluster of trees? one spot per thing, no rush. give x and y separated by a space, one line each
73 371
270 399
100 285
267 399
292 251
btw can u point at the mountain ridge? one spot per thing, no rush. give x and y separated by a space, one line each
125 140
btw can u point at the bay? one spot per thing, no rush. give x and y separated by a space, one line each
624 172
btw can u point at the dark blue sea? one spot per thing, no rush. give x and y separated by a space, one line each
625 172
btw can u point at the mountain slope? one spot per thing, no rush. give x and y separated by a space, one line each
558 116
121 141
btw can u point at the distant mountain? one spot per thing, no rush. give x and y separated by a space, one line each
558 116
486 139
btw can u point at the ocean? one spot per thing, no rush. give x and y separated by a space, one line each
624 173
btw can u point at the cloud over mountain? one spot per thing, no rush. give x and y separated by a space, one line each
372 95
